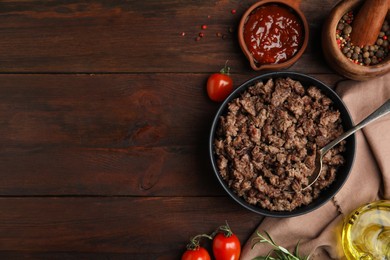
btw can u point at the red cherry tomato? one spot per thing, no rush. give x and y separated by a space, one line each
198 253
226 247
220 85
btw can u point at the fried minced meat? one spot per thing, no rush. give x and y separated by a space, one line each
266 143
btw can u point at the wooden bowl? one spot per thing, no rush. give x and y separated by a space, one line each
333 55
289 4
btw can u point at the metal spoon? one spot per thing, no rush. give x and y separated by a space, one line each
381 111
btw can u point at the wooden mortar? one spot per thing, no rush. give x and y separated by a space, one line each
334 56
368 22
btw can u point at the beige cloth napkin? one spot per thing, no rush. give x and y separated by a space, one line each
319 232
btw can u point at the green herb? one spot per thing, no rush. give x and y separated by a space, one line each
280 252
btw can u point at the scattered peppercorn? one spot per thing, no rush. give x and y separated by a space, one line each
202 35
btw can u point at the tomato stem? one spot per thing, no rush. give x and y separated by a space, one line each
226 69
226 230
195 241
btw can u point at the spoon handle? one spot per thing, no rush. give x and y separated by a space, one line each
381 111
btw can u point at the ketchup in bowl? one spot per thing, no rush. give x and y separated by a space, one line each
273 34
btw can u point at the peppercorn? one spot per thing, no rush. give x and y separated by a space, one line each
379 41
357 49
340 26
345 49
380 53
347 29
366 54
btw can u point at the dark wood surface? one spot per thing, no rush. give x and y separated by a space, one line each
104 124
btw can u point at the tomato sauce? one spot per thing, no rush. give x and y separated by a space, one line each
273 34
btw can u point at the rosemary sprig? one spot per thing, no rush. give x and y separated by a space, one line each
280 252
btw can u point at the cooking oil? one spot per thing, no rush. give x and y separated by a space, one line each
366 232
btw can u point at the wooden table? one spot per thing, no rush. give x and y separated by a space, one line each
105 123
